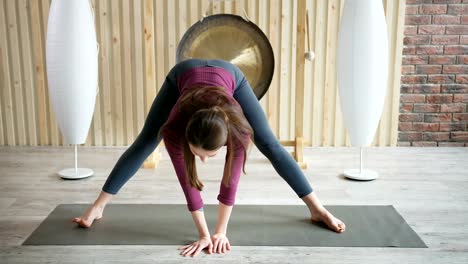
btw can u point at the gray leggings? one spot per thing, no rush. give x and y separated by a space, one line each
264 139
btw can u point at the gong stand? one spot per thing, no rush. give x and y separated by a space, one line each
300 63
301 55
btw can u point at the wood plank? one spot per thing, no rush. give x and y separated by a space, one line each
292 143
215 7
227 6
28 71
161 73
17 84
262 13
97 122
6 202
300 64
138 38
299 81
171 34
330 88
272 112
284 71
7 97
326 96
127 68
262 24
182 20
40 78
319 65
2 134
308 78
251 10
339 138
116 77
347 140
105 53
238 6
159 67
299 153
193 9
150 53
291 119
244 255
203 8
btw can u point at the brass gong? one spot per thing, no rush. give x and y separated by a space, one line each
231 38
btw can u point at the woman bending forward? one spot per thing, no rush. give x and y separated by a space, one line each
202 106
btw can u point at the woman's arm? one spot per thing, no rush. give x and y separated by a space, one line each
192 195
199 219
227 199
175 150
219 240
224 213
227 195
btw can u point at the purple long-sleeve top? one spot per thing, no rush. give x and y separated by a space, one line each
174 133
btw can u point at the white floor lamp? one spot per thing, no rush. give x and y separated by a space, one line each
362 69
72 72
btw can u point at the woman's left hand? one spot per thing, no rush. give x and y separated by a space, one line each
220 243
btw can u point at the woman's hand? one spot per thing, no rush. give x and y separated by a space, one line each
220 243
197 246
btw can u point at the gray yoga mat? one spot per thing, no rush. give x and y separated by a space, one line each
250 225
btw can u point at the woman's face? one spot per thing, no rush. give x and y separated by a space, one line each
203 154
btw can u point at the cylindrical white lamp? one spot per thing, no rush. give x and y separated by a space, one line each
362 71
72 72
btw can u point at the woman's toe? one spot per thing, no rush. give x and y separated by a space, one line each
342 227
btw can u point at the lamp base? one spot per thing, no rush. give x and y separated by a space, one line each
72 174
363 175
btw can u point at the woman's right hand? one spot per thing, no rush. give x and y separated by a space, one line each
92 213
197 246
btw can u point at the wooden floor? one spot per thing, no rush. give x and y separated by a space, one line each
428 187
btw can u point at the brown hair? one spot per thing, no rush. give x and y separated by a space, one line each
215 119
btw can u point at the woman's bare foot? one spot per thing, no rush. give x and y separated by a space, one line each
91 214
331 221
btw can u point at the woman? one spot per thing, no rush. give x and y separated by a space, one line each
202 106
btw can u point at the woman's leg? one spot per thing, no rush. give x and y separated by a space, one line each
133 157
148 139
267 142
281 160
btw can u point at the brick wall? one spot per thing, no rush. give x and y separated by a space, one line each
434 82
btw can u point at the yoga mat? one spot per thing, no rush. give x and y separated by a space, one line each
250 225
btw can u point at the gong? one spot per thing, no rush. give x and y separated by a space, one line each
234 39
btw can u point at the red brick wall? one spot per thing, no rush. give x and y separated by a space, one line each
434 82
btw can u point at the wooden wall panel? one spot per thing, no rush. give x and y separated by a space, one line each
137 44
